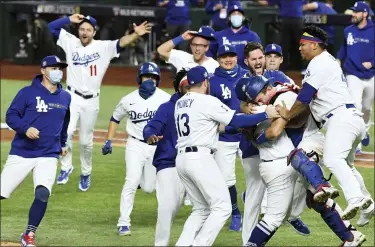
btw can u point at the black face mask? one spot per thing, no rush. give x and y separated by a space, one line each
147 89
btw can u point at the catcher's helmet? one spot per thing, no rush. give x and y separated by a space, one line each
255 85
149 68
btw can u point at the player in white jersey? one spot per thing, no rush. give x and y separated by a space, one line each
199 44
197 117
260 91
326 93
88 61
139 106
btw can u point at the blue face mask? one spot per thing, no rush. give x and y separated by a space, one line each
147 89
236 20
55 76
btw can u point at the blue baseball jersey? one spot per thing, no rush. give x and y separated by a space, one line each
178 11
222 85
239 40
163 124
328 10
35 106
357 48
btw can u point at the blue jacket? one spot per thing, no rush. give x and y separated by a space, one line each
163 124
239 40
215 14
289 8
222 87
358 47
330 29
34 106
276 76
178 12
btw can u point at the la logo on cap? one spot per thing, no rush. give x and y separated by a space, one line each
57 59
44 63
235 7
200 30
226 48
273 47
150 68
356 4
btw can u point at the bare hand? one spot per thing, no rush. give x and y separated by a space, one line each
76 18
271 112
64 151
367 65
293 86
255 109
218 6
282 110
153 139
32 133
188 35
142 29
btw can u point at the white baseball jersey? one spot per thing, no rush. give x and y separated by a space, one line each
283 145
181 59
87 64
197 117
139 110
325 75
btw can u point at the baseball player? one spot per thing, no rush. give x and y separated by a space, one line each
357 56
139 106
199 42
88 61
222 87
170 191
310 147
40 116
334 110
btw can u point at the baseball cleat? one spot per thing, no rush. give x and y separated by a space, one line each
366 141
365 216
358 239
352 209
299 227
64 176
124 231
235 225
28 240
324 193
85 182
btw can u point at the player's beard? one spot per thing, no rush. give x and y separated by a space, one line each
356 20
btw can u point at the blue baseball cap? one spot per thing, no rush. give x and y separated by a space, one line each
235 7
52 61
360 7
255 85
227 49
206 32
240 87
90 20
197 75
273 48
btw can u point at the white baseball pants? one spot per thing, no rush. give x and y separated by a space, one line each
225 157
170 193
139 171
86 111
209 196
17 168
362 91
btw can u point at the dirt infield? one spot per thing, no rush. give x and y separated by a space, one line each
124 76
362 160
9 244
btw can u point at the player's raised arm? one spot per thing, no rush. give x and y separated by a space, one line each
139 31
55 26
164 50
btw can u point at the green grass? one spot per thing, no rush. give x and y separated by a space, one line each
74 218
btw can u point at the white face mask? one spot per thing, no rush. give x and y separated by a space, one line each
55 76
236 20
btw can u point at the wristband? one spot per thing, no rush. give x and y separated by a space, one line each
176 41
262 138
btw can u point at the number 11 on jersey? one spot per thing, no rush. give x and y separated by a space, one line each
93 70
183 125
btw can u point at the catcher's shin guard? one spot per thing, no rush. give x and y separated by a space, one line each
331 217
310 170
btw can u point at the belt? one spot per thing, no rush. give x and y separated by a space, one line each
273 160
87 96
194 149
348 106
139 139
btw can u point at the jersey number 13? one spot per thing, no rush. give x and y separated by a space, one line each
183 125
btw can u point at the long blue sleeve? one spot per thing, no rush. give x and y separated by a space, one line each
243 120
64 130
342 52
55 26
156 125
16 112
